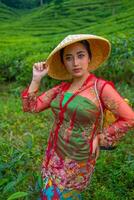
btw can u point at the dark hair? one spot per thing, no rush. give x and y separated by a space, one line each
85 44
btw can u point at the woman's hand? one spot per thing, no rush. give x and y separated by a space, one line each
40 70
103 140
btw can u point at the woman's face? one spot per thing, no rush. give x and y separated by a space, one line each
76 59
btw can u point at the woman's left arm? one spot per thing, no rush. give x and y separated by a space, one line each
123 112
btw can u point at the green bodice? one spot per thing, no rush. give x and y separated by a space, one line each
67 95
74 135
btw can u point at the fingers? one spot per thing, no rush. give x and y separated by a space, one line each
45 65
96 149
104 140
40 66
97 153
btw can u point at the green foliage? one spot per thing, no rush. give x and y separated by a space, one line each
119 67
17 66
21 3
27 37
113 176
21 148
17 195
28 4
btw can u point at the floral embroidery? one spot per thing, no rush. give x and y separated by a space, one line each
111 104
67 173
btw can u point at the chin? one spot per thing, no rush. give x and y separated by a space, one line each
77 75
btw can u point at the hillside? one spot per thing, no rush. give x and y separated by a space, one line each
7 14
104 17
29 35
88 16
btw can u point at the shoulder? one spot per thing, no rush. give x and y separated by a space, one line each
59 87
64 84
102 83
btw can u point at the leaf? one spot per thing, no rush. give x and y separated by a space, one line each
17 195
3 181
9 186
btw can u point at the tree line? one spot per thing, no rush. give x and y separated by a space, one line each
28 3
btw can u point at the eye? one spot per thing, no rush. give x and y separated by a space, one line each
81 55
68 58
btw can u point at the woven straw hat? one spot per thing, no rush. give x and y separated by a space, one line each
100 49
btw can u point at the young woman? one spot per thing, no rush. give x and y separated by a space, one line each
77 105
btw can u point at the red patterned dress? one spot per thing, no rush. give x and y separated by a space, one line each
69 162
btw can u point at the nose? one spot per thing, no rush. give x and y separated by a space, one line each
75 61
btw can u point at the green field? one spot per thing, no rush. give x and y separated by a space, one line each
28 36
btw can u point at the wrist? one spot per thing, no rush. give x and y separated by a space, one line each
36 80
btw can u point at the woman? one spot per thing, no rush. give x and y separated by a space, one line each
77 105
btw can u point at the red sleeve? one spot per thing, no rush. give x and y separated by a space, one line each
33 103
124 114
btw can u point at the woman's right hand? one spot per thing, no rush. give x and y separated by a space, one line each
40 70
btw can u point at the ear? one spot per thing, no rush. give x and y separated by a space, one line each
89 59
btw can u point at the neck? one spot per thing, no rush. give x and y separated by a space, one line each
81 79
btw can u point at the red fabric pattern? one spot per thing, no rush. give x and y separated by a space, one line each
123 112
33 103
110 99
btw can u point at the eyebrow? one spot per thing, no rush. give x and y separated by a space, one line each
77 53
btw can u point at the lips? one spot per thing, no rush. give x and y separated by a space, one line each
77 70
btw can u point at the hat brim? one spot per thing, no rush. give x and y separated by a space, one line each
100 49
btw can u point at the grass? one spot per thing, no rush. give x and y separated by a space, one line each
21 147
